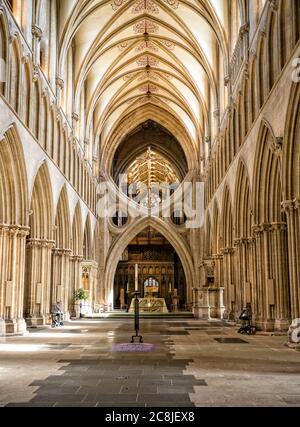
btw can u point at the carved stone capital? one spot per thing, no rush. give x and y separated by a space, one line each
16 230
59 82
36 73
75 116
290 205
276 145
266 227
37 32
228 251
216 114
262 32
278 226
257 230
61 252
273 5
243 241
244 29
41 243
25 59
226 80
45 92
218 257
78 258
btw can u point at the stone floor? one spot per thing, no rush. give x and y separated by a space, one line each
191 363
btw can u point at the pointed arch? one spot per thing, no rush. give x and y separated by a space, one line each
120 244
272 46
44 119
14 74
77 237
95 248
35 108
291 147
42 210
13 180
227 219
243 203
87 241
208 237
262 71
4 32
267 189
26 92
216 230
62 222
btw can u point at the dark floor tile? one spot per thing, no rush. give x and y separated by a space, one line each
31 405
76 404
166 397
60 398
172 389
109 397
50 390
231 341
174 333
170 405
217 332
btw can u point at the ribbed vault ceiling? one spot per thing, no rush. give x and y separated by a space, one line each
133 52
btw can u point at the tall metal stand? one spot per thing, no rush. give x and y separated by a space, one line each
136 319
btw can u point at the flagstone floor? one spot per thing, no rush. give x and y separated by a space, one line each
190 363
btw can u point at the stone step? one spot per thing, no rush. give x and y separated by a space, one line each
122 315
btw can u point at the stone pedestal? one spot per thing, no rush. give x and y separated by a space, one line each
201 303
216 303
15 327
175 302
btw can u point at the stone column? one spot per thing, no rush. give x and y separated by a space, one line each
291 208
280 274
221 307
239 274
61 278
251 259
75 281
12 272
38 282
228 254
93 284
195 302
37 35
60 84
258 235
218 259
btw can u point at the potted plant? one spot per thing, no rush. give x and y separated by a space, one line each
80 295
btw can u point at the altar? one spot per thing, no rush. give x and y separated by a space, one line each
150 305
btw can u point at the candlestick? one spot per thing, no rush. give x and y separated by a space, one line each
136 278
